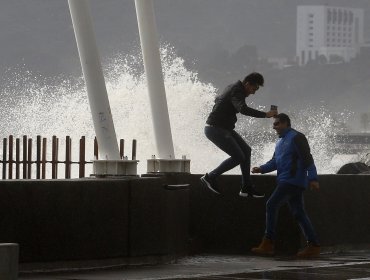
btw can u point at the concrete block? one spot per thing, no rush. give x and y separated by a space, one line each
103 168
228 223
340 210
147 231
168 165
177 219
54 220
9 261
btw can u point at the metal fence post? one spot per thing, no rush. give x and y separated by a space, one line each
29 161
68 158
5 145
10 161
82 161
43 166
38 157
24 162
17 161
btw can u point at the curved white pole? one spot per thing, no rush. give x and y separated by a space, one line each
153 70
93 74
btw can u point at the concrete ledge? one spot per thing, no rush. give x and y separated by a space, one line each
158 218
60 220
146 218
231 224
97 219
65 219
339 212
8 261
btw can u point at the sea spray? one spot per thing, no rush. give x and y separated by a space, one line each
33 105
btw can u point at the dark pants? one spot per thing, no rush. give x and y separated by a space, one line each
293 195
233 144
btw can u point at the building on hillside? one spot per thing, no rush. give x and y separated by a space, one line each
327 33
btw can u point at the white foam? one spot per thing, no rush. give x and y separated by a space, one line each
34 106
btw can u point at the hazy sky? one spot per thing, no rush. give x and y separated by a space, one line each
39 34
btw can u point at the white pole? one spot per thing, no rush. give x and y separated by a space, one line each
93 74
153 70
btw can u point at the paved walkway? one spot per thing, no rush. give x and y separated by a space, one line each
352 265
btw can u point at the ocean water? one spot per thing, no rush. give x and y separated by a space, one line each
33 105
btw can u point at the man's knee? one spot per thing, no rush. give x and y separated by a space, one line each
247 152
271 205
298 214
239 157
245 156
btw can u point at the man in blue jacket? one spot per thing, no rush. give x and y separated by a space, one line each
295 172
220 130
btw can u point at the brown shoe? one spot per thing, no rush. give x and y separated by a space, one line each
266 248
311 251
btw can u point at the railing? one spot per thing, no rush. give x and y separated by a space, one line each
15 168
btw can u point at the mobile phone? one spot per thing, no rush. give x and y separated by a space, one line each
273 108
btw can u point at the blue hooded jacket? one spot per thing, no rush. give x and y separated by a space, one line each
292 160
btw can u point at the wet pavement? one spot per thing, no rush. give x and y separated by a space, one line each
350 265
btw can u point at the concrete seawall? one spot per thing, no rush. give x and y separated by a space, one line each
56 220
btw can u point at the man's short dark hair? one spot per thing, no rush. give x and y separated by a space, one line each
284 118
254 79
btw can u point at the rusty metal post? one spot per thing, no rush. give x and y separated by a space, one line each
121 148
43 160
29 160
24 163
54 160
38 157
96 149
57 158
53 148
134 149
68 158
82 162
10 161
17 161
5 146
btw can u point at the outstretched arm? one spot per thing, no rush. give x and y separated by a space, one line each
238 101
267 167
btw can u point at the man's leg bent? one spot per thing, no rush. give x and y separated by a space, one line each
245 165
224 140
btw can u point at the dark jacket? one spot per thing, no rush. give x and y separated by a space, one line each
227 104
292 160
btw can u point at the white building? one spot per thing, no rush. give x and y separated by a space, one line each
334 32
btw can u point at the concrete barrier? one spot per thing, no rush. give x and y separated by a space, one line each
231 224
9 261
89 219
55 220
158 218
92 219
340 213
147 217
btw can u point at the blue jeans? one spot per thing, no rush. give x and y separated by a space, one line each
233 144
293 195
